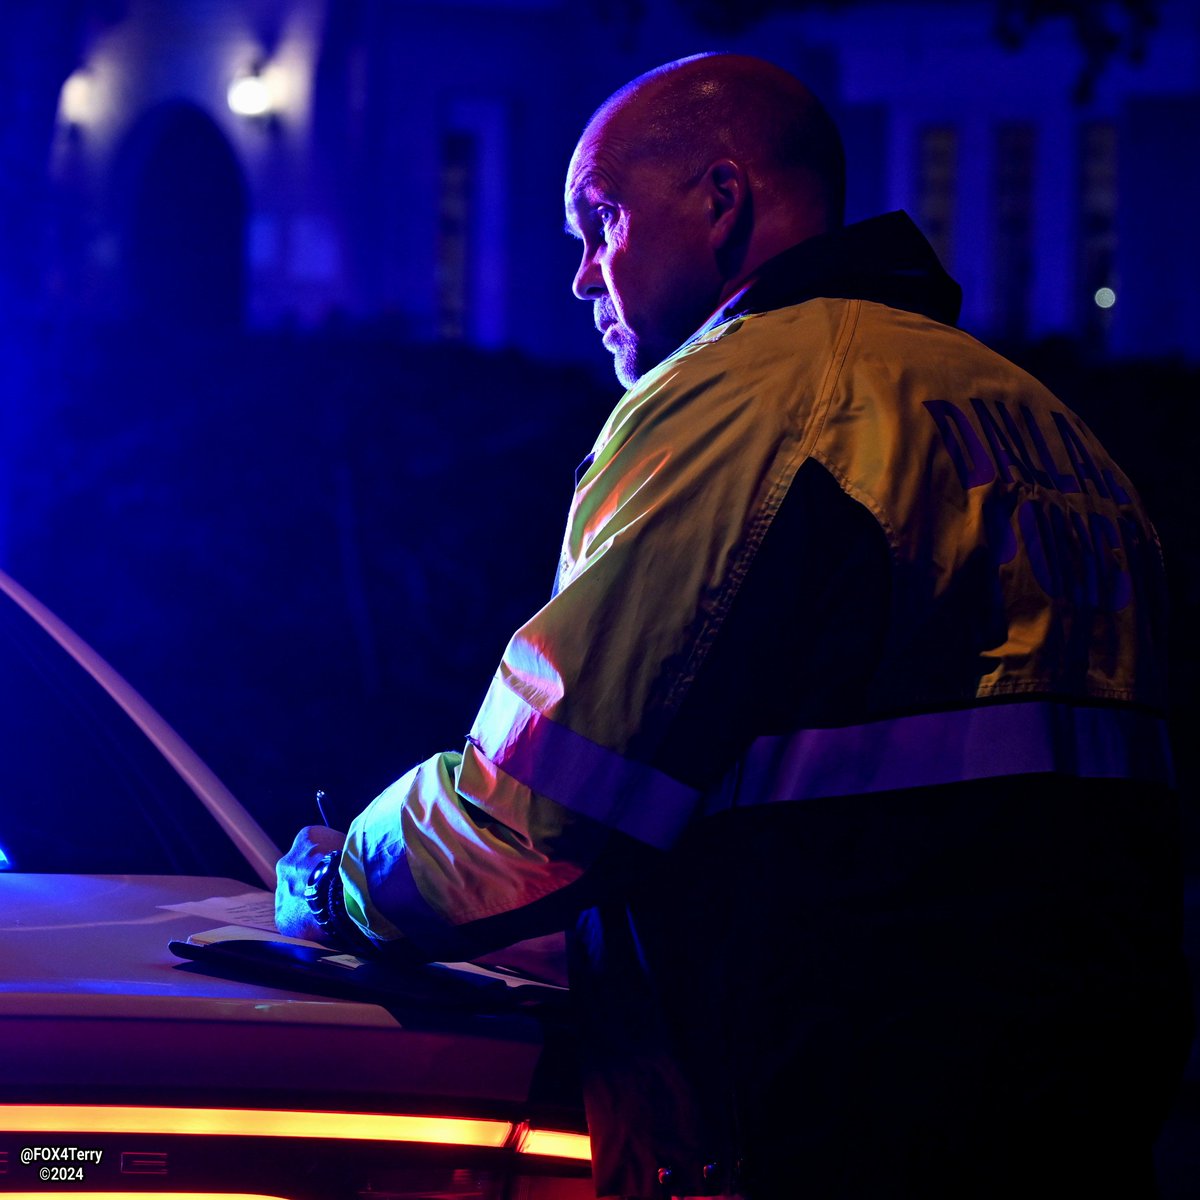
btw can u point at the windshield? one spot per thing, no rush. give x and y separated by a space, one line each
82 790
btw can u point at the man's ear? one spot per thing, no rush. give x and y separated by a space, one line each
728 199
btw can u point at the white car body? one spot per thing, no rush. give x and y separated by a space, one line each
126 1069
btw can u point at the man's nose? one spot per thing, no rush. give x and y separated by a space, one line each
589 282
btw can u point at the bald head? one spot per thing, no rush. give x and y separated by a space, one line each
711 106
683 184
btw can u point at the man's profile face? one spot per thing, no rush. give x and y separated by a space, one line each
647 265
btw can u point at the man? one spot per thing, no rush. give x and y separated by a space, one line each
840 746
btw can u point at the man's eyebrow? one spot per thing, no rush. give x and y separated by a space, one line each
575 202
590 181
572 204
585 181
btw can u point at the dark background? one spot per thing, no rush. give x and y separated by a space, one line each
292 405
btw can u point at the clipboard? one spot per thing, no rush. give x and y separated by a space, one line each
296 965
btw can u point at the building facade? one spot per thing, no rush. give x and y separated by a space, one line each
295 161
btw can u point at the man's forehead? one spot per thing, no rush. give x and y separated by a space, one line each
595 157
610 160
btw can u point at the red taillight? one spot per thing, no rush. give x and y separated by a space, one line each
253 1122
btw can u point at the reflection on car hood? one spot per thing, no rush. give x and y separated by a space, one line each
89 990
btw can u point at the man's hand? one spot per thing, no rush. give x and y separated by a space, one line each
292 915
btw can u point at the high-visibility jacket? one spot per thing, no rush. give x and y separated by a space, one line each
843 596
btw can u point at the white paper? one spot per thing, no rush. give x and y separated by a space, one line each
242 933
500 974
250 910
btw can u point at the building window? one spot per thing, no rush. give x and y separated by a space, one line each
474 235
937 188
1015 146
1098 284
456 206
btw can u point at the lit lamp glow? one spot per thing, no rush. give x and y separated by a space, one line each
251 96
75 101
556 1143
79 1119
266 1123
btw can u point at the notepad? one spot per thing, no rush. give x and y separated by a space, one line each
294 964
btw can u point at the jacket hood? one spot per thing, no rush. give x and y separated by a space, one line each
885 259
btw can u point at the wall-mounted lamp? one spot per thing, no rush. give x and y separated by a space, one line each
77 100
253 94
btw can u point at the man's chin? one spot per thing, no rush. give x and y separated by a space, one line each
626 359
627 375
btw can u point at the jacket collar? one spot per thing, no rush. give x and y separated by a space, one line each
885 259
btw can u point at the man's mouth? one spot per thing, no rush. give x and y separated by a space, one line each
606 320
609 327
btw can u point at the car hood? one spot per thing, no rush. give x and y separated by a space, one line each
90 994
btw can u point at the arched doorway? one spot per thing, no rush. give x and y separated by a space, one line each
184 220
